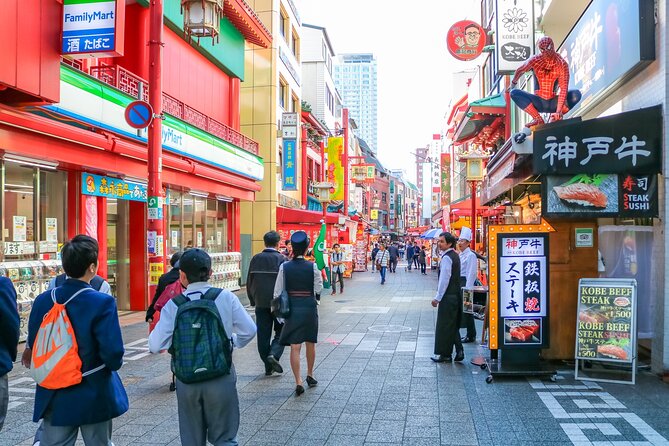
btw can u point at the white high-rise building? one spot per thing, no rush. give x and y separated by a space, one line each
355 78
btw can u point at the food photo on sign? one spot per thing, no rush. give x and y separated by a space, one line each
522 331
581 194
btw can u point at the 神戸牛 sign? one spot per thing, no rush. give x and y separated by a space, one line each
523 288
627 143
606 325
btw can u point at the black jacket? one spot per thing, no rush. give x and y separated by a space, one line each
166 279
9 325
260 281
394 252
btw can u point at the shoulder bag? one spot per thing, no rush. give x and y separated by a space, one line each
280 306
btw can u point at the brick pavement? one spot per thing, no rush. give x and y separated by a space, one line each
378 386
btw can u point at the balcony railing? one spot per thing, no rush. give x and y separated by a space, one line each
132 84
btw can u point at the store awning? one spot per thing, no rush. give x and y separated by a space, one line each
291 215
482 116
490 105
464 207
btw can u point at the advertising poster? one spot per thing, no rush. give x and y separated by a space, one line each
525 331
514 34
465 40
335 173
51 229
606 323
108 187
20 228
289 167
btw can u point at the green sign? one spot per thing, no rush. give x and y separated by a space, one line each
585 238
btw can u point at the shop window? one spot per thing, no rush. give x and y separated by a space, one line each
52 211
295 45
188 227
175 236
19 209
222 222
199 212
214 237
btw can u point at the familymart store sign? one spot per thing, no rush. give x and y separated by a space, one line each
91 28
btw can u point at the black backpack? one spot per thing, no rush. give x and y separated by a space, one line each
96 282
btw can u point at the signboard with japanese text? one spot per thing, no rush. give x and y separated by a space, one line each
514 34
612 40
289 165
93 28
601 195
628 143
362 173
465 41
335 151
107 187
584 237
606 324
445 179
523 289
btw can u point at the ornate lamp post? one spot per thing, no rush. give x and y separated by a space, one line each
474 156
202 18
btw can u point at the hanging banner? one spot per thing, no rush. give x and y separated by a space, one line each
514 34
465 41
606 326
289 165
362 173
445 179
601 195
335 151
629 142
93 28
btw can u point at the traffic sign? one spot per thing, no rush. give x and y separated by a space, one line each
138 114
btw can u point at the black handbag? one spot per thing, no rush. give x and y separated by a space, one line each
280 306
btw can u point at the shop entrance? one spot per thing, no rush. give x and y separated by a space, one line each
118 250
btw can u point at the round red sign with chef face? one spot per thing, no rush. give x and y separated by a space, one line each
465 40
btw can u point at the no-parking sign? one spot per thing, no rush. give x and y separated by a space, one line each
139 114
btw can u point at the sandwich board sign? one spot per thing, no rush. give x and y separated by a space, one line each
606 324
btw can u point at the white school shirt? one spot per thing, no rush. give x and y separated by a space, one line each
445 270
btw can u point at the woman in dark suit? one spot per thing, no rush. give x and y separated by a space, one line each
303 282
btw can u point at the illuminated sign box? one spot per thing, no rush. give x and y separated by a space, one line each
93 28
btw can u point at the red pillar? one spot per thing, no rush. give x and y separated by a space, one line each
234 103
345 159
102 236
305 165
473 242
155 149
236 222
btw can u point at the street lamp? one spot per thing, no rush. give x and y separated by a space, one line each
474 157
202 18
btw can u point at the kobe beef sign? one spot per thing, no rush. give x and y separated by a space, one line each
626 143
606 324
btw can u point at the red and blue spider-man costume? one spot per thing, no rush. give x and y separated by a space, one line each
551 72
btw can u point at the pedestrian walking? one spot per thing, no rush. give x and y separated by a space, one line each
260 281
338 268
288 250
448 300
382 261
468 274
410 252
164 281
375 252
416 255
200 328
303 282
394 252
80 391
422 260
9 339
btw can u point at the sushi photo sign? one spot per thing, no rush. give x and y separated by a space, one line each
601 195
626 143
606 322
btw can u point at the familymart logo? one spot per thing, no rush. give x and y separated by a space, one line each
88 15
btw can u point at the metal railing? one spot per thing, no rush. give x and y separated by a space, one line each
129 83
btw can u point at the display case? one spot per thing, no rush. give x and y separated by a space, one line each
360 256
226 270
30 278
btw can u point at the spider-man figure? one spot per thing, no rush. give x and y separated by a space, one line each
550 72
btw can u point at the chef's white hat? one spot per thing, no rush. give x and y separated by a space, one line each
466 234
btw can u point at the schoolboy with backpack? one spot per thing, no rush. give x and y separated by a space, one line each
77 348
199 328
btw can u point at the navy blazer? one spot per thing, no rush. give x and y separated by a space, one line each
9 325
100 396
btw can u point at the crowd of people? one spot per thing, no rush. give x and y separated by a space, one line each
75 347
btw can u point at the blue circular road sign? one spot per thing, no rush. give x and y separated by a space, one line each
138 114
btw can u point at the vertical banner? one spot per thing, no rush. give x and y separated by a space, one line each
514 34
335 167
445 179
289 167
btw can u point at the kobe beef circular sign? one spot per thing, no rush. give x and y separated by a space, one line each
465 40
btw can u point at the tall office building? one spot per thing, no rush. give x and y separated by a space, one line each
355 78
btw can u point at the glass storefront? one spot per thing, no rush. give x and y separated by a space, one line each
118 250
195 221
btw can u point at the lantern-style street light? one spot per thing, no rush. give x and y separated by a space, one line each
202 18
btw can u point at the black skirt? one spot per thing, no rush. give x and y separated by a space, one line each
302 325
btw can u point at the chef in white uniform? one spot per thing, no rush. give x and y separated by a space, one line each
468 274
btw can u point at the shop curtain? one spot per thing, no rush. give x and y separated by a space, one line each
627 252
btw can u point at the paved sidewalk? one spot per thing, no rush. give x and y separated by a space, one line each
378 386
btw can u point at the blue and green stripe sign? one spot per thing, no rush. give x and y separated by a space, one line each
89 26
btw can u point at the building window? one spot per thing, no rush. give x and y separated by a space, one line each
283 22
295 103
383 197
283 93
295 45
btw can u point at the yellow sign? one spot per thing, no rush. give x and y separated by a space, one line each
374 214
336 166
493 262
155 271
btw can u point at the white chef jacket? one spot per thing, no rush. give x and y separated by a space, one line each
469 265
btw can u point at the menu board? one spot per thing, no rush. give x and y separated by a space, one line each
523 290
606 324
360 255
